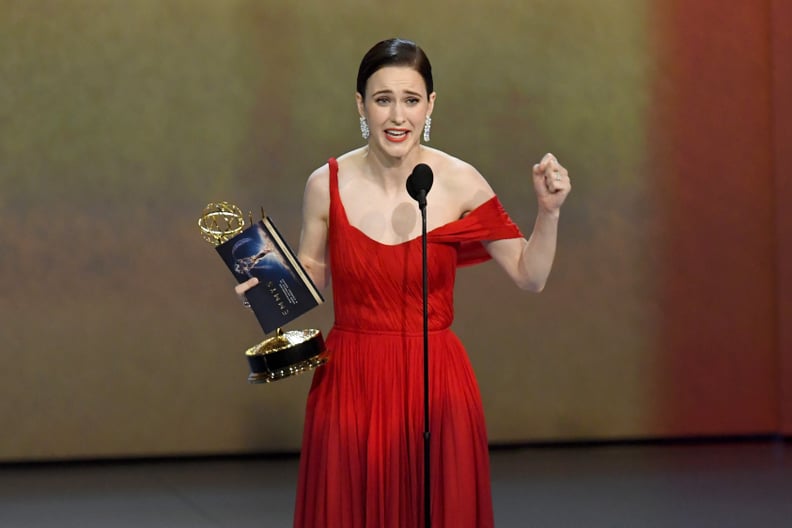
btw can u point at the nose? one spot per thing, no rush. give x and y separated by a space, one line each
397 114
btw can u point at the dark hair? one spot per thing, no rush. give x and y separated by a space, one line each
394 52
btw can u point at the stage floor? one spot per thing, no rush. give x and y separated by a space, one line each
701 485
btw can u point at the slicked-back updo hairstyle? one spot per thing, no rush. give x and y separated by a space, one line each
394 52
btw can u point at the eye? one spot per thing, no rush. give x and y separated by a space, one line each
413 100
382 100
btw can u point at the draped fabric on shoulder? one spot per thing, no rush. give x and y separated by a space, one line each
361 464
490 222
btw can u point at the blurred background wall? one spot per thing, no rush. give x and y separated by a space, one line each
668 312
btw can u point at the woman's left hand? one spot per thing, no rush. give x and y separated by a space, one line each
551 183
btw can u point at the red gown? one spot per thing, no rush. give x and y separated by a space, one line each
361 464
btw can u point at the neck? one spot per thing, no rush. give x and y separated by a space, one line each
392 172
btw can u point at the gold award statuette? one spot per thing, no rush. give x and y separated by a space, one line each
286 353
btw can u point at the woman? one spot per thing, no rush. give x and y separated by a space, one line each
362 456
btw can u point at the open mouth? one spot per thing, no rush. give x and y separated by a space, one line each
396 135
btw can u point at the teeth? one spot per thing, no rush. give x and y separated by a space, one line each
395 133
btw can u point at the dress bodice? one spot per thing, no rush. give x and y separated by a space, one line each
378 287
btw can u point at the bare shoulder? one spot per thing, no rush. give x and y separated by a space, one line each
353 156
460 180
351 161
316 200
319 180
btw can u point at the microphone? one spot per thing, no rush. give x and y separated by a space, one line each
419 183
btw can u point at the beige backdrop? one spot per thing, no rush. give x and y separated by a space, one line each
120 120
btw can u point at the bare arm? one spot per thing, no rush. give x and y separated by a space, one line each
312 251
528 262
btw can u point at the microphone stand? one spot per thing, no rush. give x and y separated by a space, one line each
418 184
426 434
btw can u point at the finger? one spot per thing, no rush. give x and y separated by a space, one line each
548 162
558 180
552 185
540 177
242 287
545 167
550 181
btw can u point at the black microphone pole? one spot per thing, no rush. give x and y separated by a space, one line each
427 480
418 185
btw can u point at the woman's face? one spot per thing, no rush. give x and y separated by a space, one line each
396 106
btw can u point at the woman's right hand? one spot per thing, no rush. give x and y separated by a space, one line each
243 287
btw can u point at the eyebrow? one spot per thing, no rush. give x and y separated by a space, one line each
388 91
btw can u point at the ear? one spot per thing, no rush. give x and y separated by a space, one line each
432 97
360 106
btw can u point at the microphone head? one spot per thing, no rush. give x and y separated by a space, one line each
420 181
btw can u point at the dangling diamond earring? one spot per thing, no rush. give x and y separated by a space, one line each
364 129
427 128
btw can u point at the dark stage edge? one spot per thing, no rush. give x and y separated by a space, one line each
738 482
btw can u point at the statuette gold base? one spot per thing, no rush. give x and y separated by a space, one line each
286 354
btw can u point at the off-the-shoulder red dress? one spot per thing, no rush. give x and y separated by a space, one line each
361 464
